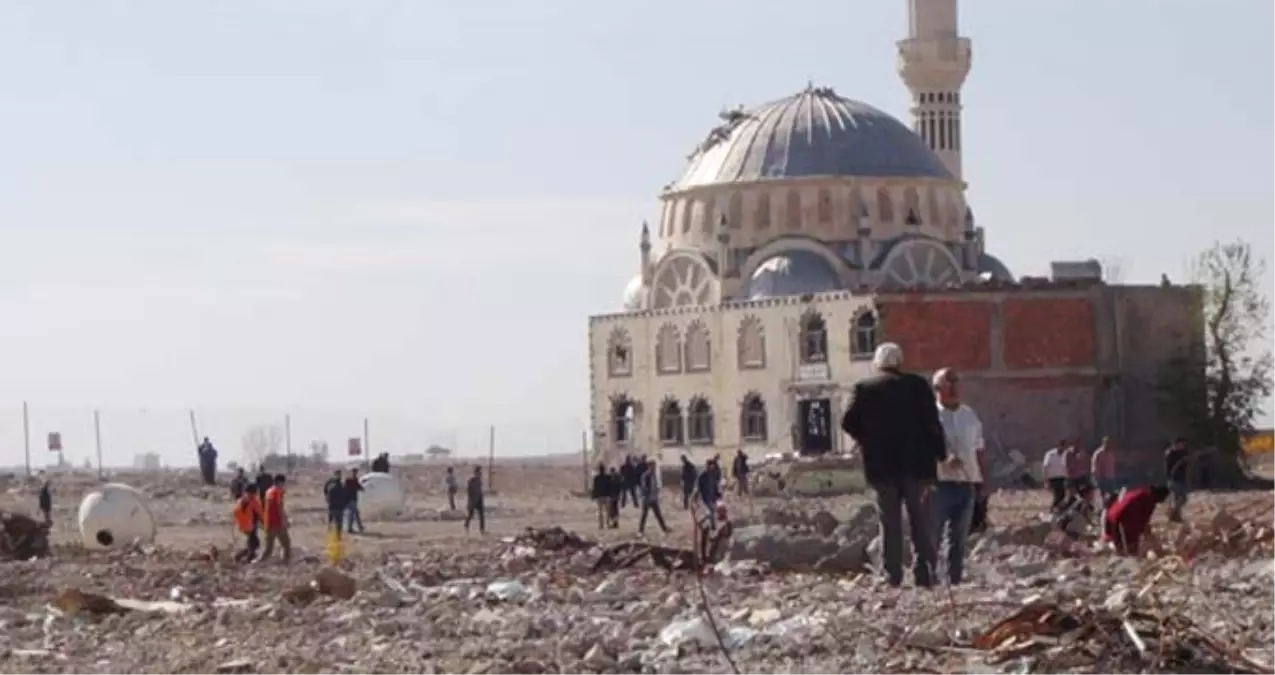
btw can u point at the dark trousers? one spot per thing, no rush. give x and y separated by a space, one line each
451 500
613 510
978 523
630 493
892 498
687 491
1058 486
353 517
741 484
253 542
335 517
652 507
476 508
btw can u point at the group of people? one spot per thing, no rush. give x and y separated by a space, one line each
475 504
342 496
259 507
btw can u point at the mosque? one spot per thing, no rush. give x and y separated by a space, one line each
804 230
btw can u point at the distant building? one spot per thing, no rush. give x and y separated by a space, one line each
147 461
805 231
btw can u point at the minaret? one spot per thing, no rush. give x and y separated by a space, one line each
933 62
644 246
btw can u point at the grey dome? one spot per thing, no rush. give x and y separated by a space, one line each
792 273
812 133
993 265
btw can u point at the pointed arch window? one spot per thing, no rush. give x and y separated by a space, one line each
752 344
863 335
668 350
792 210
619 354
885 208
813 339
763 211
735 211
670 422
752 418
823 209
699 422
622 424
699 349
911 207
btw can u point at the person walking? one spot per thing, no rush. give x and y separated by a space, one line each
352 489
474 490
1176 463
1103 467
276 521
961 476
601 495
248 518
1054 470
650 490
452 486
334 494
740 470
689 474
709 490
894 418
45 500
615 487
238 483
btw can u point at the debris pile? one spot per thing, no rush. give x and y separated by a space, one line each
795 540
553 539
1248 533
24 537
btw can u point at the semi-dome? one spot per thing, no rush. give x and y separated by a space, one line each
792 273
811 133
115 515
992 265
633 294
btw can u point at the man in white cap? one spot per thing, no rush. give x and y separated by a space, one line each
894 419
960 477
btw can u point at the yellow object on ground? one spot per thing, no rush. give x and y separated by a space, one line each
1260 442
335 547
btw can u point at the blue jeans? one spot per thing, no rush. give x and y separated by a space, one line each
353 517
953 509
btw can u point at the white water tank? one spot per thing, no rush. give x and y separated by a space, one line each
382 495
115 515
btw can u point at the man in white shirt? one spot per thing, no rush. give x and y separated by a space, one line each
1054 469
960 476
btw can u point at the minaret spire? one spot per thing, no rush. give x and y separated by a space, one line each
933 62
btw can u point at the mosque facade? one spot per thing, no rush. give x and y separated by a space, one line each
804 231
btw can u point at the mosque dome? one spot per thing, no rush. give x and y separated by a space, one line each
992 265
813 133
792 273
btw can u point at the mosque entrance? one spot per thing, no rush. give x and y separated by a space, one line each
814 426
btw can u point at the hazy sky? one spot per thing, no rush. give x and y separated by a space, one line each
408 209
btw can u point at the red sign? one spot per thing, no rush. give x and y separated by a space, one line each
356 447
55 441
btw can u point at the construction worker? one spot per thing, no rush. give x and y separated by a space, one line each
248 517
276 521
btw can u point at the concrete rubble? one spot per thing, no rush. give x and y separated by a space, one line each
530 603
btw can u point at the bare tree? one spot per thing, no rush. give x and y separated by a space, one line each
1217 395
260 443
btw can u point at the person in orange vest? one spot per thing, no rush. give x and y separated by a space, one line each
248 517
276 521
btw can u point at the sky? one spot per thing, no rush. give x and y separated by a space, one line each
404 211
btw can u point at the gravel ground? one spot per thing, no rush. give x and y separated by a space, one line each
431 599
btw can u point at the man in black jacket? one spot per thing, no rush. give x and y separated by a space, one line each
689 474
601 494
352 489
334 492
894 419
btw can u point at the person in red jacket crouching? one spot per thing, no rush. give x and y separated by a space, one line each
1127 522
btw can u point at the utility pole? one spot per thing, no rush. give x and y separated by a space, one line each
491 457
26 435
97 439
367 443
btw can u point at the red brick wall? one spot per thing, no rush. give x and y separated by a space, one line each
940 332
1048 333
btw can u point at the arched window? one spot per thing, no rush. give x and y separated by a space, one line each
698 348
619 354
752 418
622 420
911 207
752 344
863 335
763 211
935 210
670 422
707 212
792 210
668 350
735 211
699 422
823 209
885 209
688 210
814 339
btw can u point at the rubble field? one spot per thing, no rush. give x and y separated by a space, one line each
546 591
